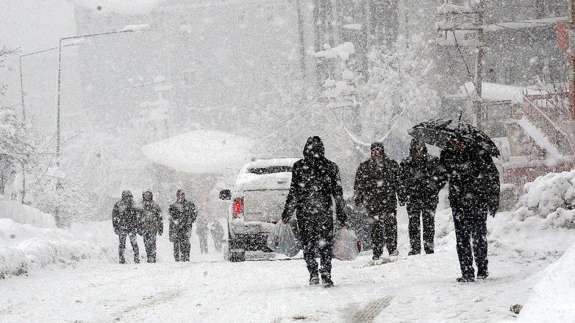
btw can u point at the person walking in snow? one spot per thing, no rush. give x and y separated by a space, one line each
151 224
202 232
315 186
421 180
217 232
125 223
376 187
182 215
473 194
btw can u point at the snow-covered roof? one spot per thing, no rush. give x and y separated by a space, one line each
499 92
268 162
531 23
201 152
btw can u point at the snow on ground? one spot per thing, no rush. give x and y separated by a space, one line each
220 152
553 297
24 214
420 288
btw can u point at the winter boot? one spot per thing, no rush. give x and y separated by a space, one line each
394 253
413 252
122 260
465 279
136 259
482 275
313 279
326 280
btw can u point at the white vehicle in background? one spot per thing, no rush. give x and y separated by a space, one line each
258 200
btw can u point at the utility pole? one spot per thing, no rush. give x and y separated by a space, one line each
468 19
478 79
572 59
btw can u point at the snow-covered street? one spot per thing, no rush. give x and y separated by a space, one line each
420 289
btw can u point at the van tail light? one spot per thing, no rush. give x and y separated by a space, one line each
238 207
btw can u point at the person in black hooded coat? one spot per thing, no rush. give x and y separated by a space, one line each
125 223
421 180
473 194
315 185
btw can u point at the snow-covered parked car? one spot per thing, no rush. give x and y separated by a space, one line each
258 199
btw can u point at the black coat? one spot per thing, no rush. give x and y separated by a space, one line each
422 177
377 185
151 218
182 216
473 179
314 186
125 217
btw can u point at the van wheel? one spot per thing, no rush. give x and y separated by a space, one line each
237 256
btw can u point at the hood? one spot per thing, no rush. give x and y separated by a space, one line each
415 147
314 148
147 196
126 195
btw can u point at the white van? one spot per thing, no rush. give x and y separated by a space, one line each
258 200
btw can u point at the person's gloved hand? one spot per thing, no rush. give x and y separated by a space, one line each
492 211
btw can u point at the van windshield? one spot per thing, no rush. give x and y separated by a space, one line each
269 170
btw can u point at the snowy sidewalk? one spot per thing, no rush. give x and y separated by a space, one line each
415 289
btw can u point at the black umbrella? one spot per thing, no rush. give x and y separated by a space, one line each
440 132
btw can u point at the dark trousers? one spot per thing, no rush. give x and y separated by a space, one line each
182 247
203 237
150 244
418 213
122 246
317 239
471 229
383 231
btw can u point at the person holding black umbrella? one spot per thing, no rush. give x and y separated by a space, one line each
474 186
473 194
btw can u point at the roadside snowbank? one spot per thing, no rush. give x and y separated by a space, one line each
24 214
553 297
25 247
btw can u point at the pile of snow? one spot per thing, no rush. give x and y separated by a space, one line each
25 247
24 214
552 298
201 152
124 7
551 197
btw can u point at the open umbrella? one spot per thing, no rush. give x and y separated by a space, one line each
440 132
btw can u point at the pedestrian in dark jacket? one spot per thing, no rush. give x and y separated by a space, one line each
202 232
182 215
376 187
421 180
473 194
217 232
314 187
125 223
151 224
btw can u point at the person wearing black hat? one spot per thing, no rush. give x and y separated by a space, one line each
315 186
376 187
151 224
125 223
183 213
421 180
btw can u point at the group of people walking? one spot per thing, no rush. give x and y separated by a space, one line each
380 183
129 220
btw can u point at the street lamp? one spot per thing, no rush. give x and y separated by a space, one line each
127 29
21 70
